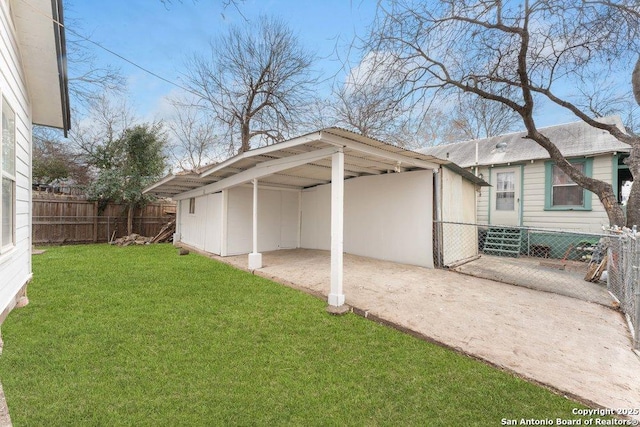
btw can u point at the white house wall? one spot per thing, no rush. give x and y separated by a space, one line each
315 227
193 225
213 224
15 263
386 217
458 205
277 220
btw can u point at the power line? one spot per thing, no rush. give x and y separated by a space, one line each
140 67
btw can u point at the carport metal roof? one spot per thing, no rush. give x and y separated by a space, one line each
301 162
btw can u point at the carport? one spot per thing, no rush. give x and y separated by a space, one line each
336 183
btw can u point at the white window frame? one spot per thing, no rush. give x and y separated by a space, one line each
8 175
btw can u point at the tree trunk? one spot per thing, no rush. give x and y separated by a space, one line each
635 81
130 211
611 205
245 136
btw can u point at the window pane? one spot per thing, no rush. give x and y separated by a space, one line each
570 195
7 212
505 191
8 139
564 191
506 181
561 178
505 201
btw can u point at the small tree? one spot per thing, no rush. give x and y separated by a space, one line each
136 160
144 163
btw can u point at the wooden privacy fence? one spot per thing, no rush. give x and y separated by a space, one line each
57 221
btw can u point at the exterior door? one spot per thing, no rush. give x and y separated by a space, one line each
505 198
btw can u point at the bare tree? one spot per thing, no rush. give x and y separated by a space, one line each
194 142
539 48
368 103
256 79
95 137
372 111
367 110
87 79
474 117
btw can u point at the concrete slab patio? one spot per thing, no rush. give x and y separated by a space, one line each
577 348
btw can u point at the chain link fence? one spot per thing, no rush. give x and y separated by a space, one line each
542 259
598 268
624 277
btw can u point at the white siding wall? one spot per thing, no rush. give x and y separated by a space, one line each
534 214
15 264
193 226
458 205
213 224
483 198
387 217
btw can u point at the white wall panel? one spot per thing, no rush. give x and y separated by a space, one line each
458 205
289 219
277 220
213 224
316 218
239 221
386 217
193 224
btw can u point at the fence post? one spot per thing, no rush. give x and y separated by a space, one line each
95 222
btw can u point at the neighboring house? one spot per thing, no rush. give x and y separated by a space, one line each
527 189
331 190
33 90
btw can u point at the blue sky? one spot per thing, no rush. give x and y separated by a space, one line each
160 37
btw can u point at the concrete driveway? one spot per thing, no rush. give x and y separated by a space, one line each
580 349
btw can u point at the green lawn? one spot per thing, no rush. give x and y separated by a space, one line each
142 336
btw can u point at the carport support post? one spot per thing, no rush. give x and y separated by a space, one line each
255 258
336 297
